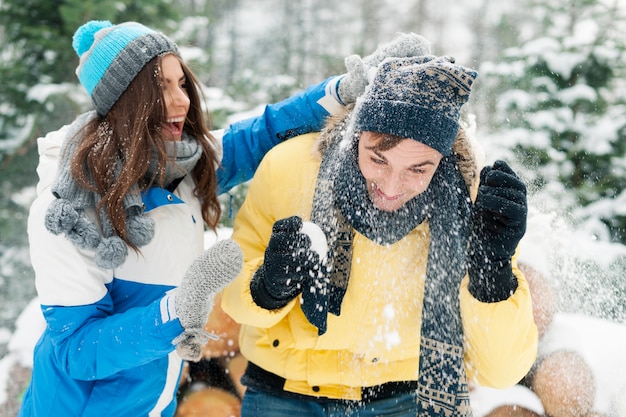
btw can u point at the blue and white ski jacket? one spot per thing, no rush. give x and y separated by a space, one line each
107 348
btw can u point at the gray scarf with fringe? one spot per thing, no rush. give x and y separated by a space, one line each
66 214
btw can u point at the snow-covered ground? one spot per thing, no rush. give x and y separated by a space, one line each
601 343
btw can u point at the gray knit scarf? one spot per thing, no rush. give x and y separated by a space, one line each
341 204
66 214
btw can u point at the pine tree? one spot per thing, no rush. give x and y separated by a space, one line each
558 104
36 38
37 45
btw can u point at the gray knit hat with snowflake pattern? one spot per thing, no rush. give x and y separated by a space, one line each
418 98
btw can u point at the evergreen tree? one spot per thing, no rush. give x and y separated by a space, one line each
559 107
37 45
37 55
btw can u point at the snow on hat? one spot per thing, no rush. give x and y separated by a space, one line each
418 98
111 56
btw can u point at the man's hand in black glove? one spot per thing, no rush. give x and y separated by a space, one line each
289 263
498 223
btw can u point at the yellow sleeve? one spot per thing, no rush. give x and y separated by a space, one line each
269 198
500 338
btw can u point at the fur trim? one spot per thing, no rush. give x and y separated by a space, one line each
466 159
333 129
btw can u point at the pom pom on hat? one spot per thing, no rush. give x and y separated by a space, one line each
111 56
418 98
84 36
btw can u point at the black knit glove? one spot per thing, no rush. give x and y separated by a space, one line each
498 223
289 262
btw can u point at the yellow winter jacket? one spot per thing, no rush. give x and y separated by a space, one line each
376 338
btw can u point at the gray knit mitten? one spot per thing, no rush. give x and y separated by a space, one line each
206 276
361 71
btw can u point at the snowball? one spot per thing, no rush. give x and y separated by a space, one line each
318 239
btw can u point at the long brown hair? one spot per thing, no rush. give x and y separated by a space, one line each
115 149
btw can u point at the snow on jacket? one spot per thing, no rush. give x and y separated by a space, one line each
94 361
376 338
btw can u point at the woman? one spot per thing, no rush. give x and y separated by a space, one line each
125 203
418 291
124 196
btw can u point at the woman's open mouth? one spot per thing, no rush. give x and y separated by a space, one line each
174 126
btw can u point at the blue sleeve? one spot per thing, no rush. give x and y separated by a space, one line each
246 142
92 344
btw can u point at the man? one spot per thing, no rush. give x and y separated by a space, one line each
419 290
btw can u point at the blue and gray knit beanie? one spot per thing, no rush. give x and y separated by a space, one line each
418 98
111 56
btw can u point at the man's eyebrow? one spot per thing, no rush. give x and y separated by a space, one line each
419 164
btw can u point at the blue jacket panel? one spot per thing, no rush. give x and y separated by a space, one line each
243 142
111 356
85 368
